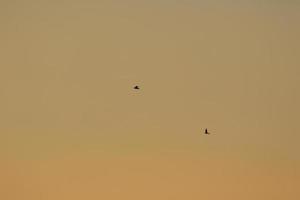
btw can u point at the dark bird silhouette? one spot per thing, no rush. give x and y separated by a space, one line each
206 132
136 87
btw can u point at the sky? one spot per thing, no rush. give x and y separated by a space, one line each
72 127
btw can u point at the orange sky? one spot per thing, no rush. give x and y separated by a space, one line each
73 128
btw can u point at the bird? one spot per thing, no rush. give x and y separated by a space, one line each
136 87
206 132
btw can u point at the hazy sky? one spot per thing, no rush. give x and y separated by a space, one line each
72 127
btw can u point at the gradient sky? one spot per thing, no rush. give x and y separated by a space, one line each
71 127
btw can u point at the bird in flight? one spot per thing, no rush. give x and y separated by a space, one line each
206 131
136 87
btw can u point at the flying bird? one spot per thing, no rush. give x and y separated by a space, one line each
136 87
206 132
